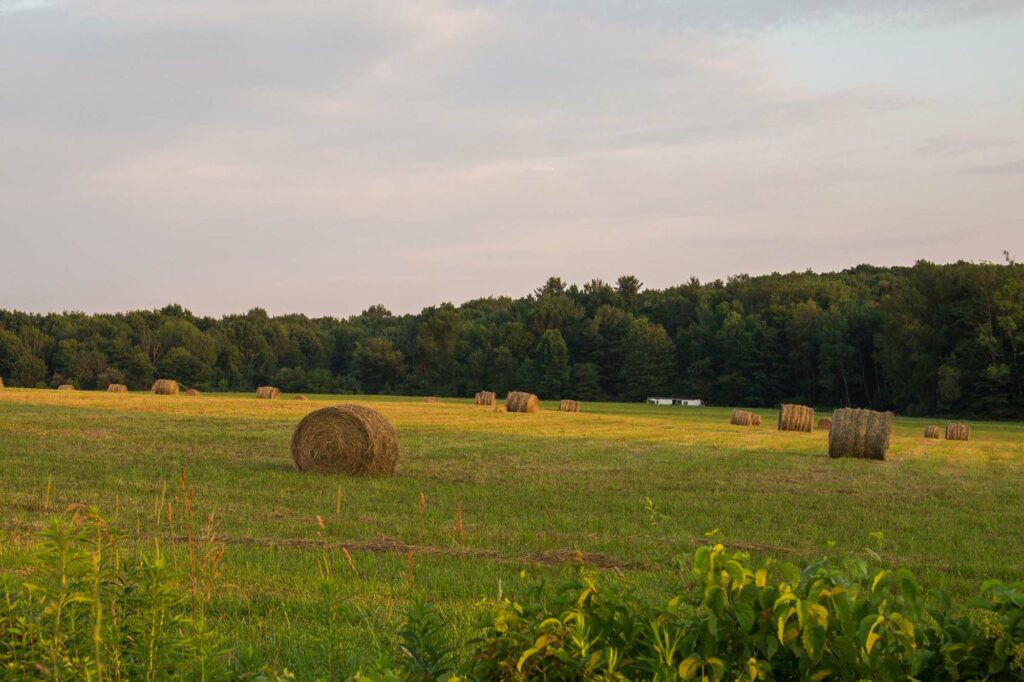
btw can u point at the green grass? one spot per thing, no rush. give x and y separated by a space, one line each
532 490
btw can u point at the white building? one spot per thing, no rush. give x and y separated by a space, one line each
685 402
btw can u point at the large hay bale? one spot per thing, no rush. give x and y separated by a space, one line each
267 392
859 433
194 392
432 399
932 432
958 431
117 388
484 398
348 439
796 418
756 420
65 387
569 406
824 424
743 418
519 401
166 387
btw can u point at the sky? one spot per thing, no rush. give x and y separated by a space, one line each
322 157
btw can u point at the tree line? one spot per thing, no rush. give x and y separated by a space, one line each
926 339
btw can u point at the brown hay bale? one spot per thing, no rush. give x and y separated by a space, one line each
742 418
348 439
824 424
166 387
267 393
569 406
859 433
958 431
796 418
756 420
932 432
1 382
484 398
300 397
117 388
519 401
432 399
65 387
194 392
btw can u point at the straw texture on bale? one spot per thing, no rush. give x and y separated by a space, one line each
348 439
958 431
744 418
193 392
484 398
932 432
569 406
756 420
431 399
166 387
796 418
117 388
824 424
267 392
65 387
863 434
518 401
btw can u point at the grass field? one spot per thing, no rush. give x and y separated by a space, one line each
532 491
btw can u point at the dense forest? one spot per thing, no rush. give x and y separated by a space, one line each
927 339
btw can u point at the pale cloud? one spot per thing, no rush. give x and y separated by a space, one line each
408 153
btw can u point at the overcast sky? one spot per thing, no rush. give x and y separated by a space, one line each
320 157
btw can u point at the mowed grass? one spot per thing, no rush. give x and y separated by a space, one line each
531 491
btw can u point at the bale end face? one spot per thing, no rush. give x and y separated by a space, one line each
519 401
863 434
824 424
347 439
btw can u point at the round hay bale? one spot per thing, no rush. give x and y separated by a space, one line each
348 439
824 424
194 392
519 401
166 387
117 388
65 387
484 398
300 397
796 418
432 399
932 432
859 433
958 431
1 382
742 418
267 393
569 406
756 420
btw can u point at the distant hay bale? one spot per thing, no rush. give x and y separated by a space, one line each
863 434
166 387
348 439
518 401
796 418
433 399
932 432
267 393
569 406
1 382
194 392
744 418
484 398
65 387
300 397
117 388
958 431
824 424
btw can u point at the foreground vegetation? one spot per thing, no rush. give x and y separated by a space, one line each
931 339
317 574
